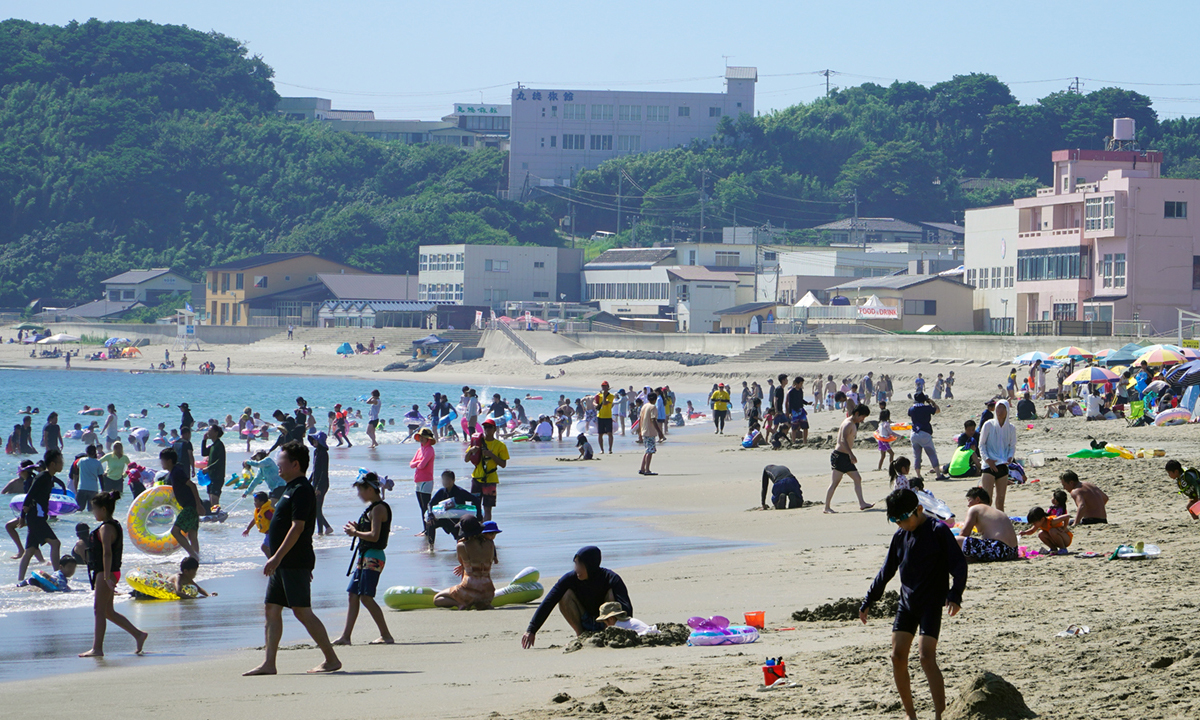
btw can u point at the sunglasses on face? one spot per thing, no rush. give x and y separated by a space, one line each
903 517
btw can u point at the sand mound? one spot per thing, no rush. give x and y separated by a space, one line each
989 697
847 609
615 637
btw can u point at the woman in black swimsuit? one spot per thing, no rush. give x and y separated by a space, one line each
104 570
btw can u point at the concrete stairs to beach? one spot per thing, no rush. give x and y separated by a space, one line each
786 348
400 339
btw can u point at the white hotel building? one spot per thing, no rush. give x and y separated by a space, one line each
556 133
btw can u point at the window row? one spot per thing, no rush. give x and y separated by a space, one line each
628 291
1100 213
624 113
435 292
995 277
440 261
1057 263
624 143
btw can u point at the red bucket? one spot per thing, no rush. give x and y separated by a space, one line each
773 674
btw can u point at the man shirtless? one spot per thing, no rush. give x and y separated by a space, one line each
842 460
998 538
1090 500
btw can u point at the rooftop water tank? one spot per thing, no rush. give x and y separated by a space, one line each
1124 129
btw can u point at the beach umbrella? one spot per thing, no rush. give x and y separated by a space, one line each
1092 375
1030 358
59 338
1101 354
1190 353
1186 374
1070 351
115 340
1157 386
27 326
1159 357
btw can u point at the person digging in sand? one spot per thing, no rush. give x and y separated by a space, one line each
925 554
579 594
843 460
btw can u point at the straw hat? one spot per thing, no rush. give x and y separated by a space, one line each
612 611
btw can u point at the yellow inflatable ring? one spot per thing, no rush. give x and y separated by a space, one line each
156 585
152 537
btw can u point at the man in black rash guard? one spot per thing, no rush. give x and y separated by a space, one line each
579 595
785 489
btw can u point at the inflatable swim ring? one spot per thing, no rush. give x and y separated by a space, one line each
92 411
61 503
455 512
1177 416
902 426
533 397
524 588
43 581
1119 451
156 585
147 529
717 631
889 439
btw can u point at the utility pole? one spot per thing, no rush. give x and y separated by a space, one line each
572 206
702 189
826 74
1075 87
620 178
855 223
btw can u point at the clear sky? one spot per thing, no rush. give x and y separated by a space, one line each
415 59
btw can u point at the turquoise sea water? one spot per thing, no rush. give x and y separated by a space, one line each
40 633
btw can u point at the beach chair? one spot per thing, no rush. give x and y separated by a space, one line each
1137 410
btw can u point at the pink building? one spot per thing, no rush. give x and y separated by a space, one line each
1111 241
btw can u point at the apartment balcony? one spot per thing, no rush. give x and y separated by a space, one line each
1049 233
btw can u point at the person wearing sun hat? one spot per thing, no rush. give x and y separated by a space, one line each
613 615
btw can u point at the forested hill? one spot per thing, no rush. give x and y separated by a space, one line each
141 145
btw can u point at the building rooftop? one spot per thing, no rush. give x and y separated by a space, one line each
741 73
871 225
258 261
893 282
700 273
134 277
1121 156
102 308
747 308
627 257
367 286
948 227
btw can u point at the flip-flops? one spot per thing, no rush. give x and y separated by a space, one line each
1074 631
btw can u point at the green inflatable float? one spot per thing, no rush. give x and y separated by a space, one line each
1093 453
524 588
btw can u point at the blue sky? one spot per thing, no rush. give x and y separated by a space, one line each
414 60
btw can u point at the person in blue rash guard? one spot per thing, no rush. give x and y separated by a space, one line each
579 595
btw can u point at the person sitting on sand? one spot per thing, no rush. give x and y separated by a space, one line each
613 615
1090 500
1026 409
998 539
578 595
476 554
1051 530
785 488
1188 480
187 576
1058 504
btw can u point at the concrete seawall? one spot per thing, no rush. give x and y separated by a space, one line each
205 334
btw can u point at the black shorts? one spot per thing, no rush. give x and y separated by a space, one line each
1094 521
1001 471
38 532
215 486
928 619
840 462
290 587
485 492
604 426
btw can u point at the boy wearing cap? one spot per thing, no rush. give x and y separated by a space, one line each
371 532
926 555
488 455
604 416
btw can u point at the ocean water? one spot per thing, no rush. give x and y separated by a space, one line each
41 632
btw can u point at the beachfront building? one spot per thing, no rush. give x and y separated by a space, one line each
258 290
990 266
1110 245
907 302
556 132
493 275
787 273
148 287
468 126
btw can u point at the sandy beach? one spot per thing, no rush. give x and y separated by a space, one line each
1134 662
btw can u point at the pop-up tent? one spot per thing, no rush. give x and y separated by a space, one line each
809 300
345 349
430 340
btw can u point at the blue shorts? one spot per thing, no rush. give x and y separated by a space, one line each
589 624
363 582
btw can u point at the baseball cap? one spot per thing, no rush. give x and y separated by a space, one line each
490 421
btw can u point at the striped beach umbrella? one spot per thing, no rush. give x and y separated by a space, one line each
1159 357
1101 354
1070 351
1092 375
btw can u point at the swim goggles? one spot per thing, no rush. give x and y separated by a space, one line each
902 517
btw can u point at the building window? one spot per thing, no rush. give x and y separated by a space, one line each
1091 213
1057 263
538 264
685 111
224 313
630 113
1009 276
1106 270
1119 270
681 293
1110 213
237 313
495 266
287 278
421 292
983 277
239 281
714 112
602 112
573 142
770 256
574 111
971 278
629 143
920 307
1064 311
458 262
458 292
1196 272
658 113
537 294
553 141
224 282
1174 209
601 142
728 259
995 277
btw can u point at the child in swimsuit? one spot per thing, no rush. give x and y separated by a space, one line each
1058 504
1051 530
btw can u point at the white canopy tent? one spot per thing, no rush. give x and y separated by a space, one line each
809 300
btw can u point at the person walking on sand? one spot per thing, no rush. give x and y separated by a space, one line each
926 555
647 431
373 416
843 460
921 415
997 446
371 531
290 566
603 401
104 568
